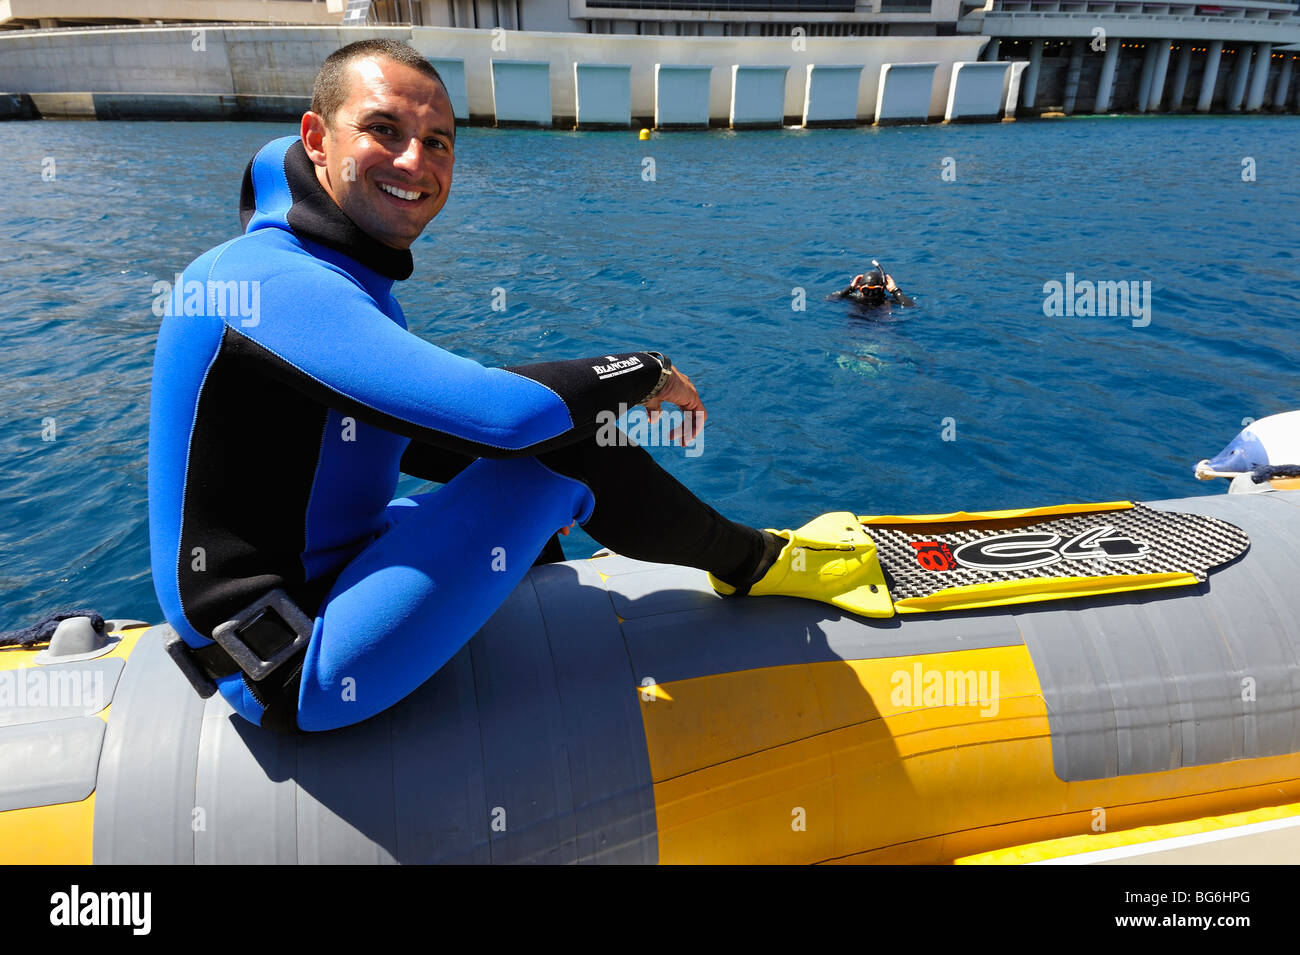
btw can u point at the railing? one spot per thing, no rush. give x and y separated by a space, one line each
1145 17
1108 8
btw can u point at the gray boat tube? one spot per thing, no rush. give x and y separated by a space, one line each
539 741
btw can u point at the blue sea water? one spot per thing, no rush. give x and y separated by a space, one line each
810 410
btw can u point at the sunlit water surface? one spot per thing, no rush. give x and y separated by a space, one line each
811 409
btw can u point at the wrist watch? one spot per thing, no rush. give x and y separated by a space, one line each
666 372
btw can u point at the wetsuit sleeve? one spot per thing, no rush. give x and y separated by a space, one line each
334 344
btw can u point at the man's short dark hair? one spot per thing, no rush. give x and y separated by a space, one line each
331 87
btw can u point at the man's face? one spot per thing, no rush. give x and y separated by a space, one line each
394 133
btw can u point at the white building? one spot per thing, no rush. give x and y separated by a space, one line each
666 63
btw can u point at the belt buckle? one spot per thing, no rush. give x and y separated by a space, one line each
179 651
264 635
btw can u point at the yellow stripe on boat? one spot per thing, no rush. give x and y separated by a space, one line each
61 834
809 763
1034 589
956 517
1138 836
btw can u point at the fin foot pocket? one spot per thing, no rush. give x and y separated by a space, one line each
831 559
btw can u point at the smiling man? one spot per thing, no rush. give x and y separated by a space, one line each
384 153
297 587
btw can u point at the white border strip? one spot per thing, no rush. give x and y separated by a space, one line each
1173 842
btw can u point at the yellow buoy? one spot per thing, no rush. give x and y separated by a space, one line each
645 134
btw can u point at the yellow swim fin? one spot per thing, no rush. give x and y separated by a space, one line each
831 559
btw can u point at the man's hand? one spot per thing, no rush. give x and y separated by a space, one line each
680 392
889 284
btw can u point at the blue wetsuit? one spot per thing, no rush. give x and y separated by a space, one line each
288 394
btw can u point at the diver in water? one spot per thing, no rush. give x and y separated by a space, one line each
873 288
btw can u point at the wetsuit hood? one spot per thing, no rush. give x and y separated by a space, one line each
281 191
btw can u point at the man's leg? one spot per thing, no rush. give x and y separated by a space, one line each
642 511
405 606
440 465
407 603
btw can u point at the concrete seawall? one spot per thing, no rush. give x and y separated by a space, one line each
602 81
266 73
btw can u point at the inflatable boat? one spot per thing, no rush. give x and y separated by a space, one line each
617 711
